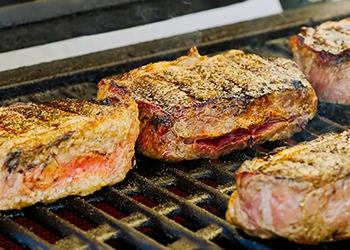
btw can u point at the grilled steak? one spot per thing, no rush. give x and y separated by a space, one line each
62 148
323 54
203 107
300 193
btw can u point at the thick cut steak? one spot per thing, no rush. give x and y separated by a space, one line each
204 107
61 148
301 193
323 54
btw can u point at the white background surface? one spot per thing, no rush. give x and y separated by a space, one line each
247 10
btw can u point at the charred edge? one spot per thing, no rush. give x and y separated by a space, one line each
55 143
250 140
295 65
12 160
241 103
153 115
338 59
238 105
346 54
118 88
326 57
100 153
280 177
160 120
297 84
67 105
109 101
303 31
61 139
31 165
211 101
246 98
188 141
299 40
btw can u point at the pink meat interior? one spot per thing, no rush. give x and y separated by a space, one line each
236 136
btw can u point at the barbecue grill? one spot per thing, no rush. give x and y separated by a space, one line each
159 205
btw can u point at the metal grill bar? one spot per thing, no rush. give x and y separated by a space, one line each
218 175
61 226
207 233
161 222
129 234
22 235
321 125
218 199
201 216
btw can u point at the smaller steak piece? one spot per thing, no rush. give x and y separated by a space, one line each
323 54
301 193
204 107
61 148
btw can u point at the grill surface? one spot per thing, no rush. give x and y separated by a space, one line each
159 205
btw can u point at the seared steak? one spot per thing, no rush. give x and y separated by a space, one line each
62 148
301 193
204 107
323 54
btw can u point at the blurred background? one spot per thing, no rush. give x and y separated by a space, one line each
33 32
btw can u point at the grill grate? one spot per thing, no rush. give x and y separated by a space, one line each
159 205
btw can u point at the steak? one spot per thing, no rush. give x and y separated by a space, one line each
204 107
67 147
301 193
323 54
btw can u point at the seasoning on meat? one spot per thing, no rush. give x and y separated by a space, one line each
204 107
323 54
60 148
301 193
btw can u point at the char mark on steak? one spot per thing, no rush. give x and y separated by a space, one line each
323 54
204 107
300 193
67 147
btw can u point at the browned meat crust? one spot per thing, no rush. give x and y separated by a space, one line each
323 54
300 193
204 107
62 148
